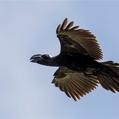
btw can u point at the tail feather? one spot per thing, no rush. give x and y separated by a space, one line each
108 76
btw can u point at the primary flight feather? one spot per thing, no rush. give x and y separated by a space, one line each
79 71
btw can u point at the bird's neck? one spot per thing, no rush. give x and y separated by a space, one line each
60 60
54 61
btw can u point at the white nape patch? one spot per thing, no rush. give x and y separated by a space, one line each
50 55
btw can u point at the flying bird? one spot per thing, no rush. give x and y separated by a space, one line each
79 71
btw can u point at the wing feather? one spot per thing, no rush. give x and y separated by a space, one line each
74 28
69 26
58 28
80 40
74 84
63 26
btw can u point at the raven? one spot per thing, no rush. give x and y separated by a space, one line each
79 70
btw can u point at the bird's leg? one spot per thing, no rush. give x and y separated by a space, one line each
89 71
86 71
88 74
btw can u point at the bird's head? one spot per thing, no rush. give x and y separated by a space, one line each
41 59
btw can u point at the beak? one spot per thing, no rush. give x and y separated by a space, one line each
35 58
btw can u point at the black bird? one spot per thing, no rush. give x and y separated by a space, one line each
79 71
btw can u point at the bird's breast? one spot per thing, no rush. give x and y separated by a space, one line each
78 62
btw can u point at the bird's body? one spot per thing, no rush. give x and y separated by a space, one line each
79 71
75 61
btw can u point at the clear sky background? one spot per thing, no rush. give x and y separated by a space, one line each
28 28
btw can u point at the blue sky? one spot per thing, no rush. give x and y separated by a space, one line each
28 28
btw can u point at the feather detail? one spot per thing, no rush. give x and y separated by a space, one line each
81 39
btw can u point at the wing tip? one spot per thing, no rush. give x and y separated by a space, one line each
65 26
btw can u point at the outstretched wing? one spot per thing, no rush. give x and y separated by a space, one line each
75 40
74 84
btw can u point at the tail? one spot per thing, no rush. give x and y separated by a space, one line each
108 76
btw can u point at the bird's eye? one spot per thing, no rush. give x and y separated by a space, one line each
45 56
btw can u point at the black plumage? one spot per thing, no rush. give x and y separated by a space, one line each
79 71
